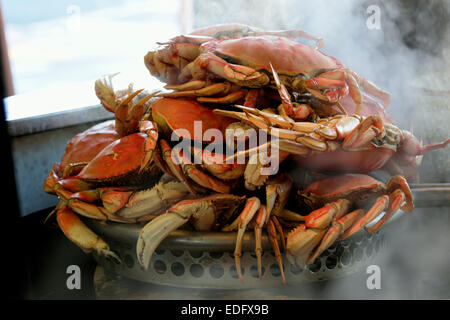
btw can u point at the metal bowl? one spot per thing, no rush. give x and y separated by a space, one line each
205 259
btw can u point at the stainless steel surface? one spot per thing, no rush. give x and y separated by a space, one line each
205 259
216 270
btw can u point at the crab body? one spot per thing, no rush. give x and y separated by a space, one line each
192 65
339 204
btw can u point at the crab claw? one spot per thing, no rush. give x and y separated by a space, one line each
77 232
300 243
202 213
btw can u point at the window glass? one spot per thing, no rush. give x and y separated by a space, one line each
53 43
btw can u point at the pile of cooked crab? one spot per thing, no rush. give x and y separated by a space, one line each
276 137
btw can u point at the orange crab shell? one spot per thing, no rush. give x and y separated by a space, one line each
86 145
117 161
287 56
173 114
355 187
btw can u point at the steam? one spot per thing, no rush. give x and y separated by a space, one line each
390 57
411 45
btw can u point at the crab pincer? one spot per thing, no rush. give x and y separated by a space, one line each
202 213
81 235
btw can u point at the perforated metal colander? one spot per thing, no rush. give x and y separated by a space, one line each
205 259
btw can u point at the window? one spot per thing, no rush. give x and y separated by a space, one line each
59 47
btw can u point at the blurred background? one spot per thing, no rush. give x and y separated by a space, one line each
54 50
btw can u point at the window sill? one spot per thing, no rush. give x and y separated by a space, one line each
64 105
53 108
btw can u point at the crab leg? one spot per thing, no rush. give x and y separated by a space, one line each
380 205
77 232
303 239
150 129
287 106
337 228
190 85
210 90
354 132
127 113
122 204
271 232
277 192
370 128
216 165
228 99
261 219
265 120
238 74
341 82
151 201
186 169
251 207
178 54
252 174
251 98
322 217
401 193
279 230
288 109
105 92
165 72
175 168
396 198
205 180
399 182
372 89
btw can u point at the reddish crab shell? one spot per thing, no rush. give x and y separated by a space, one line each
80 150
287 56
83 147
357 188
180 115
342 186
117 164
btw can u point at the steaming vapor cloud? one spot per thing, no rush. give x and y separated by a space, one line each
390 56
413 41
